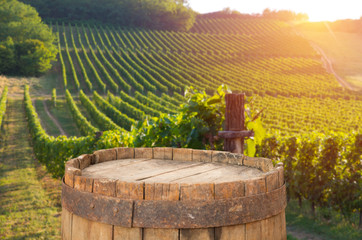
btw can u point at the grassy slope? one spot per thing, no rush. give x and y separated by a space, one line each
27 210
345 51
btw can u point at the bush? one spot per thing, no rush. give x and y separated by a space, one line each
26 44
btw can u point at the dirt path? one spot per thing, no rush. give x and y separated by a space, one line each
327 63
26 209
62 132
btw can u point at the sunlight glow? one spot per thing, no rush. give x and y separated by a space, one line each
317 10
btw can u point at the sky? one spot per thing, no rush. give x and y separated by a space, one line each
317 10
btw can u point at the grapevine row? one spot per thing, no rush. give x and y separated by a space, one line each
83 124
74 73
3 101
101 119
125 107
84 72
118 117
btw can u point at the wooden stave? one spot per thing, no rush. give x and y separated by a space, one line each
248 231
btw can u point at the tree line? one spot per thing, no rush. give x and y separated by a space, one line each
281 15
161 14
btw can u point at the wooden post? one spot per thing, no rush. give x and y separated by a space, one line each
234 132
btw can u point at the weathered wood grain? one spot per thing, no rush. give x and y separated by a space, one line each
255 186
143 153
160 191
283 225
121 233
86 229
69 174
85 160
201 155
66 227
197 192
182 154
234 121
280 169
105 187
105 155
272 181
227 191
263 164
129 190
163 153
236 232
253 231
134 191
268 228
227 157
72 163
278 230
124 153
155 170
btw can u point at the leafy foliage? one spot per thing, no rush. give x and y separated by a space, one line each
164 14
195 125
26 44
118 117
323 168
104 122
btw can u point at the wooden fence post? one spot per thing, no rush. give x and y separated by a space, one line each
234 132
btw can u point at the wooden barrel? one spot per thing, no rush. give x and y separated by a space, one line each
172 193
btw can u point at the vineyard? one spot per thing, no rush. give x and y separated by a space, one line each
113 79
147 71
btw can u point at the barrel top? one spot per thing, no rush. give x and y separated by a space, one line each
172 188
164 171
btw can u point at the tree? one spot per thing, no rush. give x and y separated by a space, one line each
7 55
26 44
160 14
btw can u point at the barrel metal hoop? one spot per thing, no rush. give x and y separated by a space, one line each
173 214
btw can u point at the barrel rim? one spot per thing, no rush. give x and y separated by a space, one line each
173 214
80 194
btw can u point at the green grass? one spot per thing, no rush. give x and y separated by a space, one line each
64 117
26 209
345 51
46 122
328 224
290 237
38 85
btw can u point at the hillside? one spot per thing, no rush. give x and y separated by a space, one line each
262 58
344 50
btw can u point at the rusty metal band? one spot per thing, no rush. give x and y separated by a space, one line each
173 214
